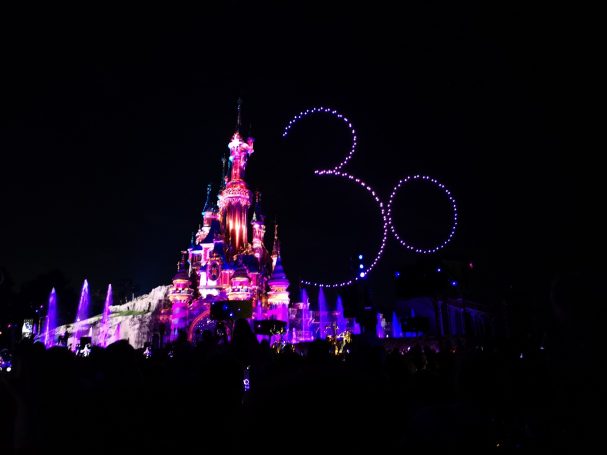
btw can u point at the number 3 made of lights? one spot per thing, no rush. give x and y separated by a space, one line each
386 211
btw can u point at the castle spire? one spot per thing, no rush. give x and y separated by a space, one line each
207 206
238 114
278 297
276 245
224 174
257 213
235 197
259 229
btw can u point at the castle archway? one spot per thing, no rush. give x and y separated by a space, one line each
200 323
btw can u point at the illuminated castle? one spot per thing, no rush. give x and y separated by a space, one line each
223 265
228 272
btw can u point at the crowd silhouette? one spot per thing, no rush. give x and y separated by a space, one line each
241 395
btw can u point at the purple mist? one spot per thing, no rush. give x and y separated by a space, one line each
323 314
83 311
51 319
342 323
379 327
397 330
105 320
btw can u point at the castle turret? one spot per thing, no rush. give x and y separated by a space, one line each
195 255
275 247
209 214
240 284
278 297
180 295
259 229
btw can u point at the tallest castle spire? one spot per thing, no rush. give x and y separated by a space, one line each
238 114
235 199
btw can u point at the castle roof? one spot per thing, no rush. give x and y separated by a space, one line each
278 275
241 272
182 272
193 245
219 251
213 232
257 212
181 275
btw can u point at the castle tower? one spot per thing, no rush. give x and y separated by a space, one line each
235 199
240 285
209 214
195 255
259 229
180 295
224 262
275 247
206 236
278 297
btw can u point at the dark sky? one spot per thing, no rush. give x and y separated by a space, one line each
114 122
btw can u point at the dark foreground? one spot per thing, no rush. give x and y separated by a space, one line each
485 397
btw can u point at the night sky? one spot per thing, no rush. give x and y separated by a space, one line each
113 124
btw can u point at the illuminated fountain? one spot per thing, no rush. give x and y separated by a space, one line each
305 316
51 319
323 313
342 322
105 319
379 327
397 330
83 311
117 332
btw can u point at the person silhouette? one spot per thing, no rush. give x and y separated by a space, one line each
66 336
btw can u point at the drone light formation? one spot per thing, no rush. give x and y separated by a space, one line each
385 211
